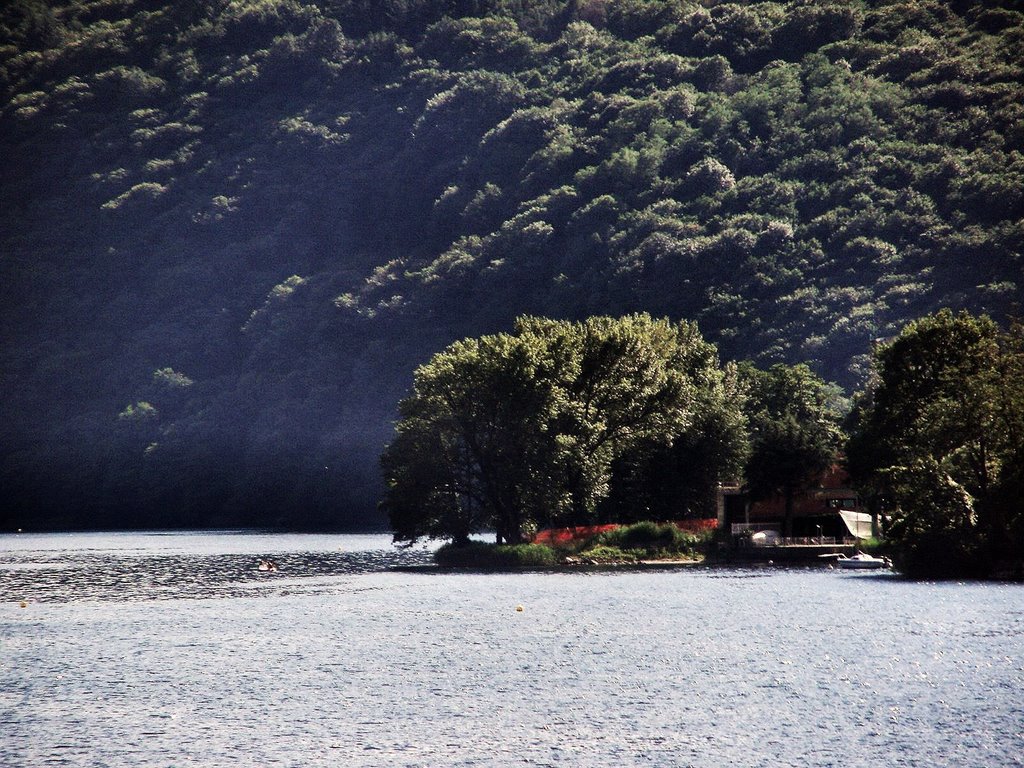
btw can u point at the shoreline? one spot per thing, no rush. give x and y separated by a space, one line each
639 565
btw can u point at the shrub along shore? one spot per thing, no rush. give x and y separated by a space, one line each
629 544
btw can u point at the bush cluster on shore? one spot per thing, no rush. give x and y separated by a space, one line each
646 541
479 554
627 544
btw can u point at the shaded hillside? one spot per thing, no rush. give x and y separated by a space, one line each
230 230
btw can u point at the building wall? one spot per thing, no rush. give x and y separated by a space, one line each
817 506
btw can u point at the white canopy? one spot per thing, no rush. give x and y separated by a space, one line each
857 523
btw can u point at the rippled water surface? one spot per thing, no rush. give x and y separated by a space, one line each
174 650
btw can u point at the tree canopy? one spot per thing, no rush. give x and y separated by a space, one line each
510 431
939 436
294 203
795 431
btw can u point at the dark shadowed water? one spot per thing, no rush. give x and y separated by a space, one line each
174 650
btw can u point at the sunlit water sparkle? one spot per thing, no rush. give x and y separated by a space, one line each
174 650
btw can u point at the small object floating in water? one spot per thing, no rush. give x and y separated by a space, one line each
267 565
519 609
23 604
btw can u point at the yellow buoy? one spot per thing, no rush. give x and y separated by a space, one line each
23 603
519 608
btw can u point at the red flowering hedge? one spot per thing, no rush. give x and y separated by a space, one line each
565 536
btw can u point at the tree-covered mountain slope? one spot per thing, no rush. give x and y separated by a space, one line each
230 230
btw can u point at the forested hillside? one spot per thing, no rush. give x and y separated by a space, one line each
229 231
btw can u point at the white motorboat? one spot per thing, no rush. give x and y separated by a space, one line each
862 561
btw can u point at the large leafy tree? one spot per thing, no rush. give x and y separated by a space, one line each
627 383
471 447
795 431
665 480
515 429
938 435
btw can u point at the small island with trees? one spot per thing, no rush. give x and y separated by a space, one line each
613 424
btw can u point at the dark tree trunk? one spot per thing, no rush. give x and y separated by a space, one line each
788 527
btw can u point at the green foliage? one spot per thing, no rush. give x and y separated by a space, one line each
477 554
470 451
644 540
138 412
937 439
172 378
649 537
795 431
799 178
679 478
628 544
513 429
607 553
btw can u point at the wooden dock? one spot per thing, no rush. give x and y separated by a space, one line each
782 553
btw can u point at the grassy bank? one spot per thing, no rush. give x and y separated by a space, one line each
635 543
479 554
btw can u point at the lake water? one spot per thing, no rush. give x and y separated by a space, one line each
174 650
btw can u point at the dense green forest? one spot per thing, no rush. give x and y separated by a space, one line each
608 420
626 421
563 424
937 444
230 231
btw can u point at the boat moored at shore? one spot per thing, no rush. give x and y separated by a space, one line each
860 562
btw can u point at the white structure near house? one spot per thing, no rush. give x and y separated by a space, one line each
857 523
